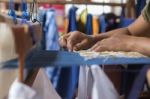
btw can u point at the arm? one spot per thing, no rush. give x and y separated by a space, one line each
141 45
139 28
125 43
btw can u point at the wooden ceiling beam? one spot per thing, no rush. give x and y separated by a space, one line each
68 2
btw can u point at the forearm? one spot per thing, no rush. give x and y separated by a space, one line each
141 45
139 28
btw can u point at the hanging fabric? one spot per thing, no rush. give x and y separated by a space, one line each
82 21
42 18
124 22
72 26
51 43
67 82
102 24
138 84
85 85
107 22
140 4
95 25
41 89
92 84
130 9
51 31
89 25
7 52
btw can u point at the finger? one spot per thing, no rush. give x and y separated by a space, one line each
99 49
95 46
70 44
63 40
99 44
80 46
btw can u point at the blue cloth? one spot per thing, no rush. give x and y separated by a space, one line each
139 6
88 25
107 22
125 22
51 43
102 24
42 20
52 32
72 19
138 83
69 76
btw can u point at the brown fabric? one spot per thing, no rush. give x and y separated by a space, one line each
32 74
130 9
114 74
144 95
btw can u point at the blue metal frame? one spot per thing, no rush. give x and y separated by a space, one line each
41 58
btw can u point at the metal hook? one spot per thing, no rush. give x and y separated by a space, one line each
86 7
34 10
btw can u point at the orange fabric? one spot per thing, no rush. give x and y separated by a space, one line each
95 25
65 25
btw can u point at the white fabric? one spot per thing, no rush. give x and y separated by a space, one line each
7 52
7 43
19 90
105 88
85 83
97 83
41 89
147 1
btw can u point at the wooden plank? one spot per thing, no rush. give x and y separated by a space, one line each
68 2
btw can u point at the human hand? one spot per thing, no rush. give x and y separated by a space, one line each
76 41
114 43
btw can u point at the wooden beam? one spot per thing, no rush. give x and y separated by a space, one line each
67 2
23 43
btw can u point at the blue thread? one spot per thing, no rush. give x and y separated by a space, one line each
11 11
25 14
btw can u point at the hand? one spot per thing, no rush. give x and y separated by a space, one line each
114 43
76 41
